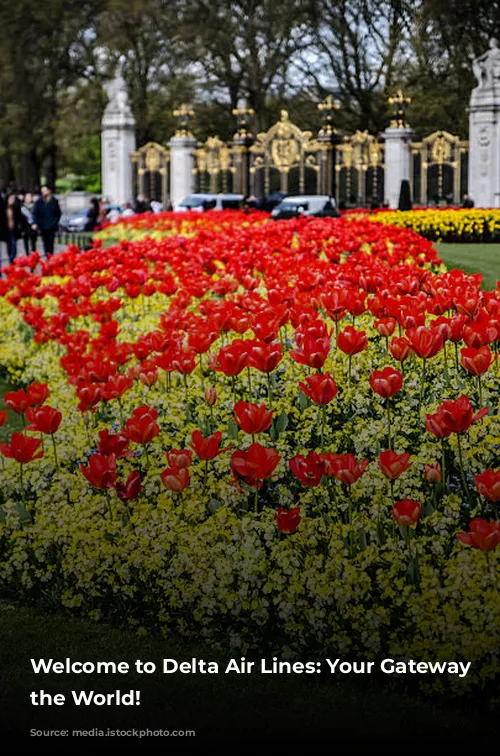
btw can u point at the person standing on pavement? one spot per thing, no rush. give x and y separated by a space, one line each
3 221
46 217
29 235
14 225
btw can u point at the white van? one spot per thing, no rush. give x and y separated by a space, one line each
308 204
201 202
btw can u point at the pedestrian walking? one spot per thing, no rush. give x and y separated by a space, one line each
46 217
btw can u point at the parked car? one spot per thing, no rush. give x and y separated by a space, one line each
201 202
75 222
318 205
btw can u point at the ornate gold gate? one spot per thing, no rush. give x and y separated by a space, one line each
213 166
439 169
360 167
284 150
151 163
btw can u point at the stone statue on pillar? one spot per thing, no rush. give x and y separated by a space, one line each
484 130
117 142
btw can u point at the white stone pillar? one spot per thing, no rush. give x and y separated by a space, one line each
117 144
182 177
484 130
396 161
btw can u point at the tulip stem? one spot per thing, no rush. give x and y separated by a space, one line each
480 390
422 386
55 450
349 361
462 469
122 417
108 504
443 464
388 401
323 420
270 388
205 477
249 384
21 475
256 497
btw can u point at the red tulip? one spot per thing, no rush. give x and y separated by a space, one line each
22 448
476 361
320 388
313 351
43 419
252 418
255 464
17 401
458 415
488 484
142 427
207 448
483 535
265 357
392 464
351 341
179 457
407 512
433 473
3 417
400 348
385 326
101 471
309 470
437 425
288 520
113 443
232 359
38 393
210 396
345 467
386 382
116 386
425 342
89 395
130 490
175 478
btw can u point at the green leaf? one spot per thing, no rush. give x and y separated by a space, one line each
2 516
281 423
214 505
23 513
232 429
304 401
362 539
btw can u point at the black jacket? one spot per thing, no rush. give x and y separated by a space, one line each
3 220
46 215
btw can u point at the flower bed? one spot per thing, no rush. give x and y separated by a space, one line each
446 224
268 434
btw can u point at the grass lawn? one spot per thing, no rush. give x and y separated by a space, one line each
236 708
474 258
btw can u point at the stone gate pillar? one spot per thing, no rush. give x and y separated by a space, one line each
182 147
397 159
117 144
397 162
484 130
182 177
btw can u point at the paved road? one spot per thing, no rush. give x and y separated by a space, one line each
20 250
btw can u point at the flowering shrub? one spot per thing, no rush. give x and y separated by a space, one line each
446 224
264 433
